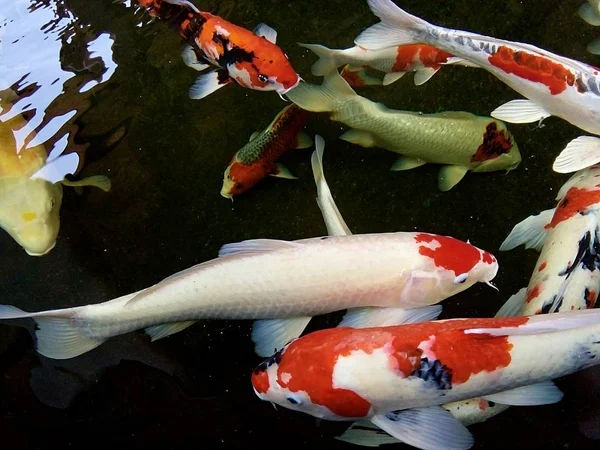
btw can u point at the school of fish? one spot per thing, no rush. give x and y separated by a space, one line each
390 369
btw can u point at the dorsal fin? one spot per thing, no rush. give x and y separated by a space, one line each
255 246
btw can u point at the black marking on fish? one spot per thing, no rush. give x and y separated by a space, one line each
593 86
275 359
580 84
459 40
587 255
434 372
233 54
491 404
547 306
472 44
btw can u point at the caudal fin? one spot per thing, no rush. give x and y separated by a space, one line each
320 98
59 334
397 27
327 62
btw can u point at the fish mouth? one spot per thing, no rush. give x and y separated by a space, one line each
286 90
226 194
45 252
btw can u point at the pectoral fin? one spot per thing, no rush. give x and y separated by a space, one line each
359 137
271 335
423 76
99 181
544 393
209 82
514 305
580 153
392 77
280 171
426 428
450 176
385 317
163 330
589 14
366 434
530 232
520 111
304 140
190 59
264 30
407 163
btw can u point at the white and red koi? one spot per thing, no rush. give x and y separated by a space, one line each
554 85
296 280
567 273
248 58
425 60
398 377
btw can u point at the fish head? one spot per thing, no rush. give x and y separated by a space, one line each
455 266
497 151
271 383
268 70
29 212
240 177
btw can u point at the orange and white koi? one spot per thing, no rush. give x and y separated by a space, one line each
553 85
398 377
424 60
567 272
249 58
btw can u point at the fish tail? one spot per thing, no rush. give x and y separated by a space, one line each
327 61
59 335
320 98
397 27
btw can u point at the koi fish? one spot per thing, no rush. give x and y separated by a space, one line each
398 377
298 279
424 60
461 141
553 85
257 159
567 272
249 58
31 184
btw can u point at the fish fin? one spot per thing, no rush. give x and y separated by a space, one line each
264 30
56 170
189 5
280 171
392 77
514 305
397 27
190 59
594 47
255 246
320 98
520 111
422 76
354 67
407 163
385 317
589 14
530 232
359 77
163 330
254 136
580 153
271 335
455 60
427 428
99 181
336 226
545 323
303 140
544 393
366 434
58 336
359 137
450 176
209 82
326 63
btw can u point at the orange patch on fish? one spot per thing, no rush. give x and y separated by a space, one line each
483 404
409 56
590 299
542 266
533 293
495 143
260 381
533 68
310 361
574 202
450 253
488 258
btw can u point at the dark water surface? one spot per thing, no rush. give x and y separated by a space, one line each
165 155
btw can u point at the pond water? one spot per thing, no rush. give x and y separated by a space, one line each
106 81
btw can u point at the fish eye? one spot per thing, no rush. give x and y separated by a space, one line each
262 78
461 278
52 203
294 400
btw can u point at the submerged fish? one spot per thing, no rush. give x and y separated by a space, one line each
258 158
298 279
554 85
31 185
398 377
249 58
462 141
425 60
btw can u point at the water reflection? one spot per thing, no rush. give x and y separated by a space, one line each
51 63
